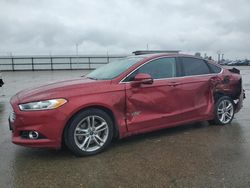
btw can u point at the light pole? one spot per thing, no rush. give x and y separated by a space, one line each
76 49
218 52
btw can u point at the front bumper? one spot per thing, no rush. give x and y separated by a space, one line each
49 124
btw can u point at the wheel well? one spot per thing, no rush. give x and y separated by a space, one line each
107 110
218 95
233 94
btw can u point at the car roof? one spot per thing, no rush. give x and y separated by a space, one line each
156 55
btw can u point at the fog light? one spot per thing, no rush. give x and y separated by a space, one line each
33 135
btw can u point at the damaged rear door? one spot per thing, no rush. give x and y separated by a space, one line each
156 104
196 87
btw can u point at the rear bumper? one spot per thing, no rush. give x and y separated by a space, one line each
239 105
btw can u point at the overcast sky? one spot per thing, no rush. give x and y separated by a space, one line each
122 26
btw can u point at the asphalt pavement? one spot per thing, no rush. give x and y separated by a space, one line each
196 155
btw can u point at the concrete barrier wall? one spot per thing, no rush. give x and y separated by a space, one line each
15 63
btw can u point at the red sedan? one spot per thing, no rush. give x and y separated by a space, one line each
137 94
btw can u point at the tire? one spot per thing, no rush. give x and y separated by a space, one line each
83 137
224 111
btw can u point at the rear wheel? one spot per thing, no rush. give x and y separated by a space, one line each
89 133
224 111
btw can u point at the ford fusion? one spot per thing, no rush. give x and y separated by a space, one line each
136 94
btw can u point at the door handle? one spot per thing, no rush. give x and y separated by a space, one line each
173 84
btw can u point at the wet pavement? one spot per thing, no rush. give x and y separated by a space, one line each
197 155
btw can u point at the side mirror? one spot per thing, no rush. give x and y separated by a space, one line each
142 78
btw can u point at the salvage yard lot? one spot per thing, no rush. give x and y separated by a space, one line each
196 155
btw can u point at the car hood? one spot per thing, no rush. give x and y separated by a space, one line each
63 89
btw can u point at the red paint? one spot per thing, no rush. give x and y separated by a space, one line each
136 107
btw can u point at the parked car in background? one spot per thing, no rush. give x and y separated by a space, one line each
232 63
243 62
224 62
239 63
1 80
137 94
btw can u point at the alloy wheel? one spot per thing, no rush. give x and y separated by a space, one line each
91 133
225 111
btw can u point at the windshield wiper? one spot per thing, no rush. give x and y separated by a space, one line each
92 78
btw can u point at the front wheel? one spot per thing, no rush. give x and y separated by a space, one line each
224 110
89 133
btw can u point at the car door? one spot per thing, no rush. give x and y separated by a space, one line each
197 100
153 105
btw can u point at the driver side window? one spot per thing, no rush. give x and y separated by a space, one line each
158 69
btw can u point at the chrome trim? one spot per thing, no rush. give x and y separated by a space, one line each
33 135
121 82
12 116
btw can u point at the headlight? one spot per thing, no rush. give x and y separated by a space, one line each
43 105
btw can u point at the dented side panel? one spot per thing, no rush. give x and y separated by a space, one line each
152 105
198 101
230 84
171 102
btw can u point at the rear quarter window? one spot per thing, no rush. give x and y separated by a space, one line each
214 68
193 66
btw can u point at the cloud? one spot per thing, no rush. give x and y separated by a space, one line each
50 26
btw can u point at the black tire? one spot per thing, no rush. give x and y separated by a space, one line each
84 118
219 111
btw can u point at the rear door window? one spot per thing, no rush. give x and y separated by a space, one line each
193 66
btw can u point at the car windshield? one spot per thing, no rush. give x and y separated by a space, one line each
113 69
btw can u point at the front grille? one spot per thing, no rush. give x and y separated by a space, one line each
24 134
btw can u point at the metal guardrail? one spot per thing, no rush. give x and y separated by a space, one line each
33 63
